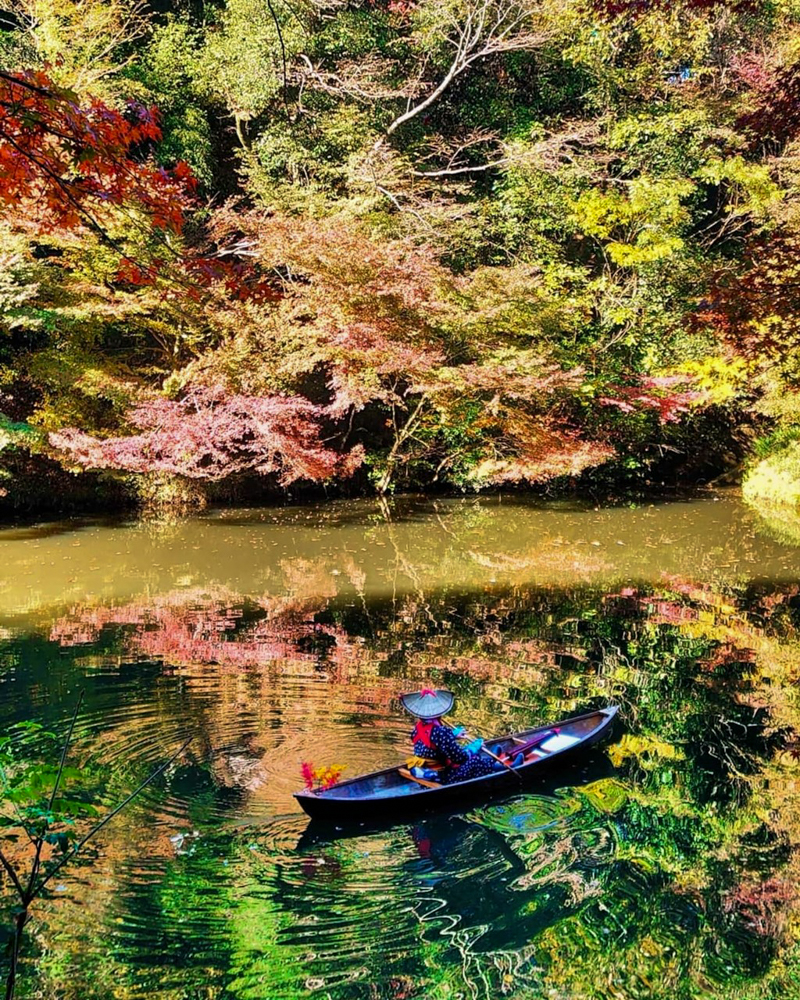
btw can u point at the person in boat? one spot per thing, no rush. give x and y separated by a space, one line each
437 744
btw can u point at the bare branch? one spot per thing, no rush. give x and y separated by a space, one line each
12 875
548 153
401 208
277 24
489 27
357 80
455 171
64 751
39 840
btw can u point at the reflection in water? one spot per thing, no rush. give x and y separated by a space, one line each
360 548
664 866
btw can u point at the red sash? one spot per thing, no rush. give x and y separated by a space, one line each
422 733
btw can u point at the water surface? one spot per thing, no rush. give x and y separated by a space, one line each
665 866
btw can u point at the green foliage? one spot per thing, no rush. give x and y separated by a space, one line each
584 181
170 70
28 770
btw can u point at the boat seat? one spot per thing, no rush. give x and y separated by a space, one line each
559 741
420 781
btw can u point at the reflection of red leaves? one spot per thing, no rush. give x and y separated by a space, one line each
686 604
727 654
763 907
187 627
192 627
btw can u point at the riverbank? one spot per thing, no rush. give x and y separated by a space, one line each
38 486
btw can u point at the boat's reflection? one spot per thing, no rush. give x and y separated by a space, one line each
523 853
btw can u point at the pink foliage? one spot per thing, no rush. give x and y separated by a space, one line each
755 70
505 380
775 115
637 8
561 454
307 772
181 631
196 627
360 349
210 434
766 907
659 393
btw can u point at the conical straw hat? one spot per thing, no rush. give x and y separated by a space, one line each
428 704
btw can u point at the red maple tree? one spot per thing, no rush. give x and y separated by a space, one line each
636 8
211 434
64 162
70 164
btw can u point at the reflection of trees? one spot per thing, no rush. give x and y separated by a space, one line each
366 551
681 660
677 871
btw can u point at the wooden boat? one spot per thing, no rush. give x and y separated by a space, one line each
585 769
393 792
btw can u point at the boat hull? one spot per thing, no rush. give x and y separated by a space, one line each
383 796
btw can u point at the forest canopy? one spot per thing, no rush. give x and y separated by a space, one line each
386 245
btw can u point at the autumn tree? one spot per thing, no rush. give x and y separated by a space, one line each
471 242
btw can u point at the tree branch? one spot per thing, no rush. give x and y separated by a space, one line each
454 171
40 839
96 829
12 875
492 26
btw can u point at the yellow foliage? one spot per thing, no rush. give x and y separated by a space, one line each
606 795
776 479
635 746
720 379
83 41
328 775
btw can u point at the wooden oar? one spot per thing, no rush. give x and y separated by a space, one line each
505 764
532 743
494 756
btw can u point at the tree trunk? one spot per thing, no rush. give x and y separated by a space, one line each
391 459
22 919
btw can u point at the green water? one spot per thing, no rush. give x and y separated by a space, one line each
667 865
